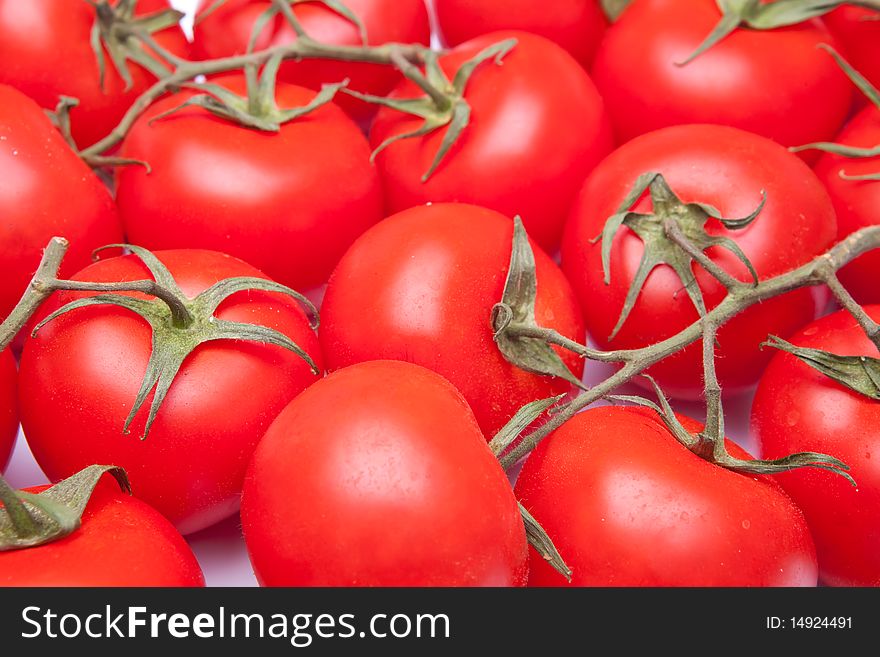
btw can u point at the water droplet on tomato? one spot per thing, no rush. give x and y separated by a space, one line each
746 524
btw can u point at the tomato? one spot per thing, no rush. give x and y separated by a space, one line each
726 168
80 375
46 191
290 202
227 31
857 31
775 83
576 25
122 542
537 128
353 485
8 407
856 200
420 287
796 408
46 53
626 504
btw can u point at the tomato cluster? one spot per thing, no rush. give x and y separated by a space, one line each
341 277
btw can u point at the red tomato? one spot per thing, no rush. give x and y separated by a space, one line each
80 375
775 83
227 31
46 190
856 201
353 485
798 409
122 542
538 126
45 52
627 505
726 168
8 407
420 287
857 30
576 25
289 202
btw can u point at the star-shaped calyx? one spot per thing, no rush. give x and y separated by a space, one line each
180 324
674 234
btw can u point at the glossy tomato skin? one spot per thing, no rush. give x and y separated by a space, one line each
576 25
353 485
532 139
420 287
45 52
856 201
726 168
227 32
628 505
775 83
47 191
80 376
798 409
8 406
857 31
122 542
289 202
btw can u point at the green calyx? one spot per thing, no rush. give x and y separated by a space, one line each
714 449
180 324
117 29
28 519
873 95
514 316
674 234
443 104
614 8
536 535
758 15
858 373
258 109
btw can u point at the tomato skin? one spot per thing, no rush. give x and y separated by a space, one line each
45 52
80 376
775 83
354 486
726 168
858 33
47 191
576 25
227 32
797 409
627 505
856 201
8 407
420 287
122 542
532 139
289 202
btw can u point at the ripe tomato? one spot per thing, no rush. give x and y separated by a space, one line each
290 202
420 287
80 375
46 190
533 137
627 505
576 25
122 542
726 168
46 53
752 79
856 201
797 408
353 485
857 30
8 407
227 31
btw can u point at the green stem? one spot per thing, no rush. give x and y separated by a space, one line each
846 301
181 317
